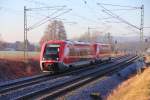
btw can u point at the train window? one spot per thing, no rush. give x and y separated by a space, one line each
51 52
72 52
84 51
78 51
105 49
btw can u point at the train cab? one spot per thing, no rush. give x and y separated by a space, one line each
51 55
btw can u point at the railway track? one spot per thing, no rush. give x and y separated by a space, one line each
78 82
8 87
24 82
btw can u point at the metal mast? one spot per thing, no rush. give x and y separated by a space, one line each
25 34
142 23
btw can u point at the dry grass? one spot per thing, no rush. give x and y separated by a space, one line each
147 60
135 88
12 65
18 55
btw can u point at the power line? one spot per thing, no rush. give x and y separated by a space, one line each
46 8
60 8
47 17
116 16
124 21
113 22
119 5
130 28
94 12
45 20
124 9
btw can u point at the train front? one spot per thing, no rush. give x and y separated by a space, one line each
50 56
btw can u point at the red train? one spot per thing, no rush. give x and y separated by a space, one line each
59 55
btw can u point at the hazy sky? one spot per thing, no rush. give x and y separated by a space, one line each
84 13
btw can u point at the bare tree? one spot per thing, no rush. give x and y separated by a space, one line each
54 31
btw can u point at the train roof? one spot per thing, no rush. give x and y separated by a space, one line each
68 42
74 42
98 43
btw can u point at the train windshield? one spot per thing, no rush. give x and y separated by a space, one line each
51 52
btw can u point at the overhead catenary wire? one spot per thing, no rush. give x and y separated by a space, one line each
113 22
46 8
141 28
103 19
94 12
53 13
82 17
123 9
116 16
47 19
120 5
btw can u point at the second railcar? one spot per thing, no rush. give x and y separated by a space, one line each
103 51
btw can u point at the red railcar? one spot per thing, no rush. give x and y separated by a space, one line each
103 51
58 55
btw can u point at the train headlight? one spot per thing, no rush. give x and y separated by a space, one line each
43 59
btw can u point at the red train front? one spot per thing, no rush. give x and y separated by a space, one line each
59 55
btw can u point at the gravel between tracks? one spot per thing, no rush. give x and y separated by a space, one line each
104 85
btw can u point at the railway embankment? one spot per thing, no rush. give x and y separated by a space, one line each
14 69
135 88
101 89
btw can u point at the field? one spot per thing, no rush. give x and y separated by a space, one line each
18 55
12 65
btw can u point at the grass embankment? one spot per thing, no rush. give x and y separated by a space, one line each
12 65
18 55
135 88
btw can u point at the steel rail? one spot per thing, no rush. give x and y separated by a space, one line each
69 87
51 91
39 78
